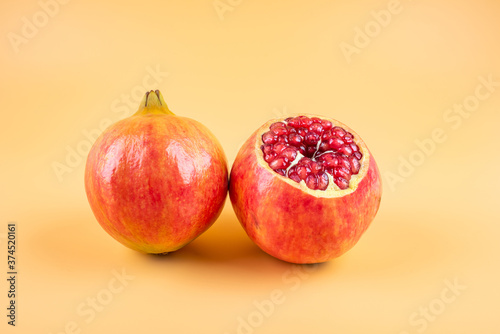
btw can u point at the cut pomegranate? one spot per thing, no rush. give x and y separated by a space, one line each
309 149
305 188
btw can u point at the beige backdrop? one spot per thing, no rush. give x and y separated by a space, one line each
419 80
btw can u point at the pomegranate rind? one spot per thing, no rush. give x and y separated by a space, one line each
156 181
292 222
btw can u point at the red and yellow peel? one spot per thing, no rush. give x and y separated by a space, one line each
155 181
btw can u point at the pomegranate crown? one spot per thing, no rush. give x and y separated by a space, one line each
153 103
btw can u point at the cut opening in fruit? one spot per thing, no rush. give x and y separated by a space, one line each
313 150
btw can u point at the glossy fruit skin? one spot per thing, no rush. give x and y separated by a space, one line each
295 226
156 181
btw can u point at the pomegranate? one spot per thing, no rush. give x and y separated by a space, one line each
305 188
155 181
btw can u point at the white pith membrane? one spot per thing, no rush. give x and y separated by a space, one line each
332 190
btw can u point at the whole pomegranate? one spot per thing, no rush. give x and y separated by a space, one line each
155 181
305 188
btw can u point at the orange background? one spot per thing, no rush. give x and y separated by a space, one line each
89 63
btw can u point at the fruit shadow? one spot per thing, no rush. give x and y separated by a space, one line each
396 242
397 245
73 245
225 243
226 258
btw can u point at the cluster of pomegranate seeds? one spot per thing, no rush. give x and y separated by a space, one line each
325 149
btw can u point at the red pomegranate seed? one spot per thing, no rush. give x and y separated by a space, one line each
279 130
338 131
304 161
335 143
335 160
358 155
342 183
303 171
305 121
323 181
324 157
279 147
344 162
327 125
294 139
290 129
287 162
341 172
294 122
346 149
316 127
310 150
348 138
302 149
323 146
326 135
354 147
302 131
294 176
277 125
269 138
312 181
355 165
267 148
316 167
281 172
290 153
311 138
329 160
283 139
279 163
269 157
